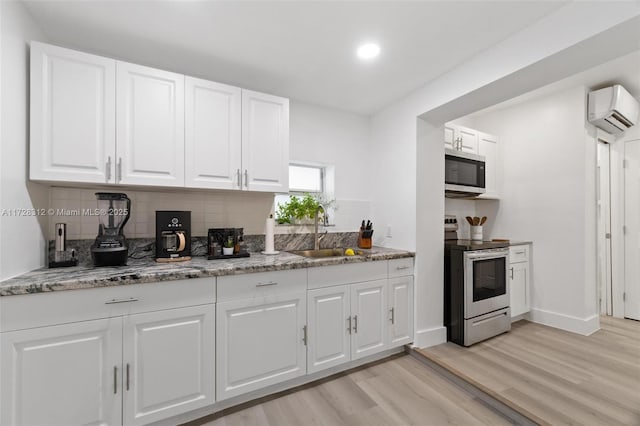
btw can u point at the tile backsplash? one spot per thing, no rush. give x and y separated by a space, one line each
209 209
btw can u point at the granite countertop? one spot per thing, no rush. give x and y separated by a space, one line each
149 271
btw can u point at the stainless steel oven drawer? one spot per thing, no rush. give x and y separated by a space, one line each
488 325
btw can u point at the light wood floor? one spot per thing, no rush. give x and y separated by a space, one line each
399 391
555 376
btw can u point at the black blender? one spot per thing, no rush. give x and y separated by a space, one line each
110 247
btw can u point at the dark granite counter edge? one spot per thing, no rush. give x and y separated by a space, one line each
187 272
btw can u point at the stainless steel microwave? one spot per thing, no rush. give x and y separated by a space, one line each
464 174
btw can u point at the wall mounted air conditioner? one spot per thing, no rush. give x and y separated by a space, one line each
613 109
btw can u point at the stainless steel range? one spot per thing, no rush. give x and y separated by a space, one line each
476 294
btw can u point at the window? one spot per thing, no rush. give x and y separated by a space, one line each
313 179
304 178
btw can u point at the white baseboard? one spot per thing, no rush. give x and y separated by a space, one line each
430 337
584 326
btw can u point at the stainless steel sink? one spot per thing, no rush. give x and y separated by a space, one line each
332 252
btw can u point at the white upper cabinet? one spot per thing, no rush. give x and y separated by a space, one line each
72 115
265 142
150 126
488 147
460 138
212 135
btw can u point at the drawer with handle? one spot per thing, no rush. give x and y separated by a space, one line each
260 284
401 267
519 253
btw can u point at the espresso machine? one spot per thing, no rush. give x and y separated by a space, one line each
110 247
173 236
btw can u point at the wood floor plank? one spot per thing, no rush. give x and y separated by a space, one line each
560 377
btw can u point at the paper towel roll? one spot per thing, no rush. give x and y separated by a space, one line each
269 235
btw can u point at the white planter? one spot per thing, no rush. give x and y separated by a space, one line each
227 251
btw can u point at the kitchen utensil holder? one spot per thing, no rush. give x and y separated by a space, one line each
476 233
364 239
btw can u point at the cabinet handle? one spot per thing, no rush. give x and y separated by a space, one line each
115 380
127 376
304 335
355 323
400 268
266 284
119 171
239 179
393 315
246 178
511 269
108 169
114 301
349 326
520 252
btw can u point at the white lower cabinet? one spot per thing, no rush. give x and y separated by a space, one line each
329 326
131 370
400 311
260 342
62 375
168 363
368 311
348 322
520 280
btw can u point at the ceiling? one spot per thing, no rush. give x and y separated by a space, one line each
304 50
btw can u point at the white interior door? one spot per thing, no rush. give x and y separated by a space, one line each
603 207
632 230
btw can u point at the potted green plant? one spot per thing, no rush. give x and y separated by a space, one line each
227 248
298 210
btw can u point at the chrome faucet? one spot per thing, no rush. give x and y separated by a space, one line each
316 239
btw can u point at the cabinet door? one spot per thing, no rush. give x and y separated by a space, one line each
62 375
519 297
259 342
369 318
168 363
265 142
72 115
488 147
400 311
212 135
449 136
329 328
150 126
468 139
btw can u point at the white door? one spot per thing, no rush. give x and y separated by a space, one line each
265 142
468 139
150 126
260 342
369 317
62 375
213 146
488 147
632 227
72 115
168 363
329 327
603 199
400 320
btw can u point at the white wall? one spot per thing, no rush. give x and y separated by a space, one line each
549 197
537 55
342 139
22 244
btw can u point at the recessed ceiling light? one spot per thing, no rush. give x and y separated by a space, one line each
368 51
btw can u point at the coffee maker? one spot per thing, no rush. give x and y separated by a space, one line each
173 236
110 247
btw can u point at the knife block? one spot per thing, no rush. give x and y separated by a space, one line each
364 239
